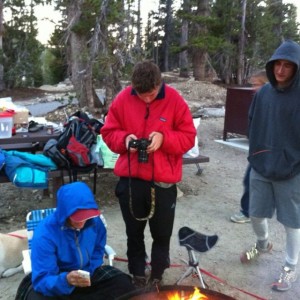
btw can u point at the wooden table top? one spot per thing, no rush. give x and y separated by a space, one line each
29 137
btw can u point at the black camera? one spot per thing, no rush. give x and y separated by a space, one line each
141 145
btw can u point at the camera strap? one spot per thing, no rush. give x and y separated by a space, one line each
152 191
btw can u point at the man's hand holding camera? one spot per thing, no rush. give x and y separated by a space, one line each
129 138
144 146
155 139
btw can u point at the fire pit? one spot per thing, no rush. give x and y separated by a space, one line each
176 292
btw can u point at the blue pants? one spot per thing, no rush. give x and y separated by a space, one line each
245 197
161 224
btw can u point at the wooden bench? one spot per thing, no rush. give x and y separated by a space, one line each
57 176
197 161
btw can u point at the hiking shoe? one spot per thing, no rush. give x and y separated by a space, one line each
34 126
154 283
139 281
286 278
240 218
253 253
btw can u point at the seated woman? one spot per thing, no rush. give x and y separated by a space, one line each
72 239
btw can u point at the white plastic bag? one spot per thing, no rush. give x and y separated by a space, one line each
194 152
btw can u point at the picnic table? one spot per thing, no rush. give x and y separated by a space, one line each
35 141
26 140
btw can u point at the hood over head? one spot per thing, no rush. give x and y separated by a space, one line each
74 197
288 50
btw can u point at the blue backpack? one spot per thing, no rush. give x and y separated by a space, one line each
28 170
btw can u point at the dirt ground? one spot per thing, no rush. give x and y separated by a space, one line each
206 206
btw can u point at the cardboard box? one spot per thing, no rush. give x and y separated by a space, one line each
21 116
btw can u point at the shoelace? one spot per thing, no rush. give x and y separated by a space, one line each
286 276
253 253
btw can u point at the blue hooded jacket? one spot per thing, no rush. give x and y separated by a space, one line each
274 121
58 249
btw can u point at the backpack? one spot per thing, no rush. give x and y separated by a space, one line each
73 146
51 150
79 153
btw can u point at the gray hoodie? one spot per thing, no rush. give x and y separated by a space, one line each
274 121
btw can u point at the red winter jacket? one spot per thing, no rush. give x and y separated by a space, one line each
168 114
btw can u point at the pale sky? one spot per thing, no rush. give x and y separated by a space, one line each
46 27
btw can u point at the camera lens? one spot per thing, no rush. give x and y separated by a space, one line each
142 156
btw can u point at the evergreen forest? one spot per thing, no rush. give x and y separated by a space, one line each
97 42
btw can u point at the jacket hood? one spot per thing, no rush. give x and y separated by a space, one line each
71 197
288 50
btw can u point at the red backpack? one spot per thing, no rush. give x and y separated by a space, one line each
78 153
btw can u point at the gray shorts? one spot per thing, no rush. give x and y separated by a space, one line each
267 195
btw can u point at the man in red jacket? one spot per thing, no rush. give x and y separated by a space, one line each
150 126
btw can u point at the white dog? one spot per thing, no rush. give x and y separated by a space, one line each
11 246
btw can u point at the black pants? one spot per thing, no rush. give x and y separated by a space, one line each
161 224
107 283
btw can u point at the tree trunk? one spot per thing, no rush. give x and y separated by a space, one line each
183 56
241 58
113 83
167 30
80 79
199 54
277 28
228 70
2 85
81 73
138 28
199 62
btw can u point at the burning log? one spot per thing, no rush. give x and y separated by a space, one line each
176 292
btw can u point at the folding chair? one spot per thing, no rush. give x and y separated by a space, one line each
33 218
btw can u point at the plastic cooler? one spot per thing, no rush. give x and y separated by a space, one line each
6 124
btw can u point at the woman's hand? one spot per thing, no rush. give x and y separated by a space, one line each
75 279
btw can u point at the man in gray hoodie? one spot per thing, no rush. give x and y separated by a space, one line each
274 156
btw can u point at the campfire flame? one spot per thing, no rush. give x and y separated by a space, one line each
196 296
